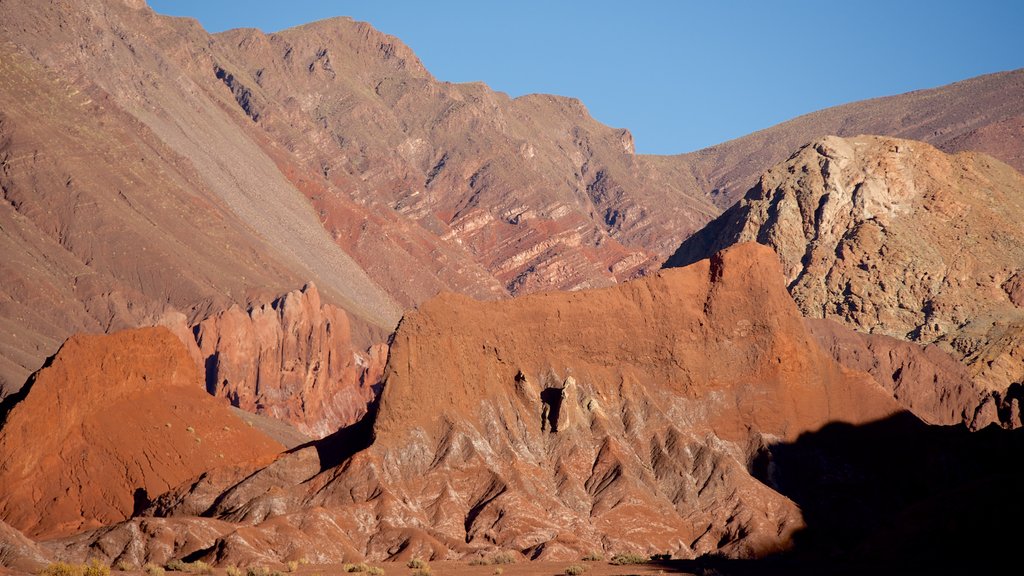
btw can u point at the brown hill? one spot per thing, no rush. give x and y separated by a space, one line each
894 237
554 424
984 114
110 422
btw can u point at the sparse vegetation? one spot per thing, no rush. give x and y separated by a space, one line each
361 567
124 566
479 562
593 557
257 571
575 570
503 558
292 565
91 568
498 571
660 557
62 569
153 570
233 571
628 558
375 571
197 567
417 563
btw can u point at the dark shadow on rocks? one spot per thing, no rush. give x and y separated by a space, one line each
346 442
895 496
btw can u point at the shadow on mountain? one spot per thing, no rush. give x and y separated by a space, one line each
894 496
346 442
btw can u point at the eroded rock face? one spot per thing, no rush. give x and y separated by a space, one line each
109 423
894 237
554 424
293 359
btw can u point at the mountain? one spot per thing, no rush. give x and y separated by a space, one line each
110 422
895 237
623 418
983 114
210 171
205 171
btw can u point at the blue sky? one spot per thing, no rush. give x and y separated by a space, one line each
680 75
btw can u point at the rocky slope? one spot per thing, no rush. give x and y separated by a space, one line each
109 423
551 425
984 114
895 237
104 227
293 359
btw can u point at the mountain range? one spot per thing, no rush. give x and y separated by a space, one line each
357 312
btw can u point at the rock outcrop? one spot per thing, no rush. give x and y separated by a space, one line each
894 237
554 424
109 423
293 359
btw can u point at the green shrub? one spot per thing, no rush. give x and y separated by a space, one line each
575 570
628 558
593 557
417 563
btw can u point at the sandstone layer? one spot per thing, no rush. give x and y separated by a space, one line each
109 423
895 237
552 425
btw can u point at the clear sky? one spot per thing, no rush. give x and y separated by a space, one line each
681 75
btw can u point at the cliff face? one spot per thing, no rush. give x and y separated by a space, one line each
894 237
555 424
110 422
293 359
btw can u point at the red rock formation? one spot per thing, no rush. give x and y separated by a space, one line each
111 422
293 359
553 424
